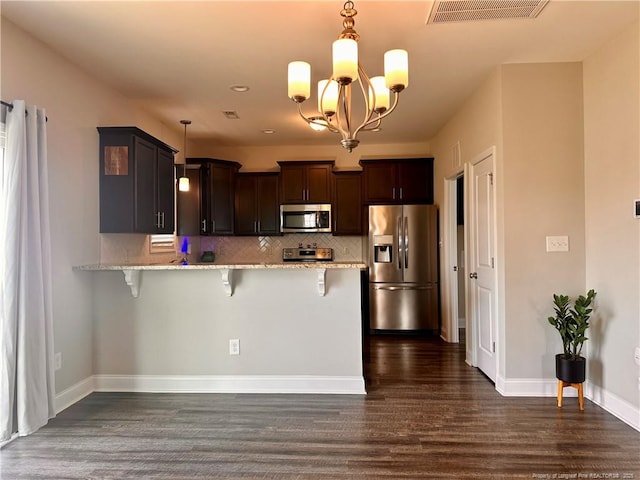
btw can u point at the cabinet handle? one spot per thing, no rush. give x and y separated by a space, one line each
204 225
401 195
213 225
258 226
162 219
255 226
393 194
157 219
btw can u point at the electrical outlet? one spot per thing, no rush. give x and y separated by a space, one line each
234 346
558 243
57 361
345 250
636 355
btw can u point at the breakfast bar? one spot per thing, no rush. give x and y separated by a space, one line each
169 328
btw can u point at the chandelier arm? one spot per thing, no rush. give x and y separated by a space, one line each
396 97
366 88
375 123
339 117
329 126
346 108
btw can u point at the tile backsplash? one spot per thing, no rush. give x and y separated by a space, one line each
134 248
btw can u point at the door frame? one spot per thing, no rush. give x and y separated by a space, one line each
450 241
472 333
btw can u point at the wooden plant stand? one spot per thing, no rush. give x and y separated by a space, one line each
577 386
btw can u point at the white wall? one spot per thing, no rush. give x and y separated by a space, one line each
612 172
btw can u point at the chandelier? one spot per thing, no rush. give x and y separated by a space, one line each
335 93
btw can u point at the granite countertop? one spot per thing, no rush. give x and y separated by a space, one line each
221 266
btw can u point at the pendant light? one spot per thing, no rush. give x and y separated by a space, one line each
183 181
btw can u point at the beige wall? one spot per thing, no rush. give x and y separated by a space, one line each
266 158
476 126
76 104
612 172
543 195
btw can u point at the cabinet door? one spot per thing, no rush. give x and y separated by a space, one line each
380 182
221 182
245 205
165 176
268 207
189 215
293 184
146 215
415 180
318 183
116 183
347 203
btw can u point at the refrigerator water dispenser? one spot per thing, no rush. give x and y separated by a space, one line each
382 248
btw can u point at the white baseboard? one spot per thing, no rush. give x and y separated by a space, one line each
531 387
613 404
74 393
230 384
544 387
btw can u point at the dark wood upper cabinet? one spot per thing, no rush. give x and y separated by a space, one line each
347 203
217 184
136 182
398 181
305 182
257 206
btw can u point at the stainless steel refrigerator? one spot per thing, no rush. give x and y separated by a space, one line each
403 268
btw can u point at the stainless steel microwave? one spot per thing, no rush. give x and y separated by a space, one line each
305 218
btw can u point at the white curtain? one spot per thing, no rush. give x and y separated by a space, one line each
26 327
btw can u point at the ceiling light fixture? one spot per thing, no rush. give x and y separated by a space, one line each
334 94
183 181
317 123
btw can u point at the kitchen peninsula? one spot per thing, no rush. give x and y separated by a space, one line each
168 328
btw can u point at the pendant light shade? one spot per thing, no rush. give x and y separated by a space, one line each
183 181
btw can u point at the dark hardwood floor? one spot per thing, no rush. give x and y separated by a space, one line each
427 415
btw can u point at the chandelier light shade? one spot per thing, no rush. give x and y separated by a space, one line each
379 94
183 181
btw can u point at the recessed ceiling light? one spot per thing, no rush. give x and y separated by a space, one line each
239 88
268 131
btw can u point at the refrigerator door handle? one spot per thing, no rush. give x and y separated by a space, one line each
393 289
406 243
400 243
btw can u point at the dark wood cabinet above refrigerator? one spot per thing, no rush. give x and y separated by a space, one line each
397 181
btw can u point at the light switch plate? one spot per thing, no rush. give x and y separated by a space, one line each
636 208
558 243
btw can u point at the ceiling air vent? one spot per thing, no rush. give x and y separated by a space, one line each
230 114
448 11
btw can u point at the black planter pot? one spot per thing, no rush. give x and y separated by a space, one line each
570 370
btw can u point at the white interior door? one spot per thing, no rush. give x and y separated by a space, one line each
482 278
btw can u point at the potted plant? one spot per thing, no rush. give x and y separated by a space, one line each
572 324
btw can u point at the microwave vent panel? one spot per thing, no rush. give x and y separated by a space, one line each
451 11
